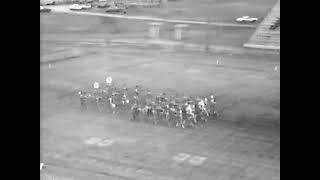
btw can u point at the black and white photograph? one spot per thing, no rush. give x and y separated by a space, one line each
160 89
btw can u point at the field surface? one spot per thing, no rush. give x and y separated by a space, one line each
243 144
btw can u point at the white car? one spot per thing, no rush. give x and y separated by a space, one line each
47 2
43 9
246 19
86 6
75 7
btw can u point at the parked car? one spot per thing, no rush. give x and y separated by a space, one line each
75 7
121 5
246 19
84 1
49 2
103 4
86 6
115 9
42 9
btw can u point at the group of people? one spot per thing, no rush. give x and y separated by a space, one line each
167 108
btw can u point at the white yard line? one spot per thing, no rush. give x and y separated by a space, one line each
65 9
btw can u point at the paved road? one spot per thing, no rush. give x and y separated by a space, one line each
65 9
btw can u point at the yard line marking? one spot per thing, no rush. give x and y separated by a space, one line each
93 140
101 142
181 157
197 160
106 142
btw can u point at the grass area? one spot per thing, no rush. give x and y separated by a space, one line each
247 86
112 28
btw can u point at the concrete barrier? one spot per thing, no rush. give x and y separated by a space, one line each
154 29
179 29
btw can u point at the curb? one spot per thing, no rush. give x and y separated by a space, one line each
174 45
269 47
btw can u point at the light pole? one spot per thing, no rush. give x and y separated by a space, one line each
208 26
217 29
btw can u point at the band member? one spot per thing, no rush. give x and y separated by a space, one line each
136 90
212 99
135 112
83 100
112 105
197 112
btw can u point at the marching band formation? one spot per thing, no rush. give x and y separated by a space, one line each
168 108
